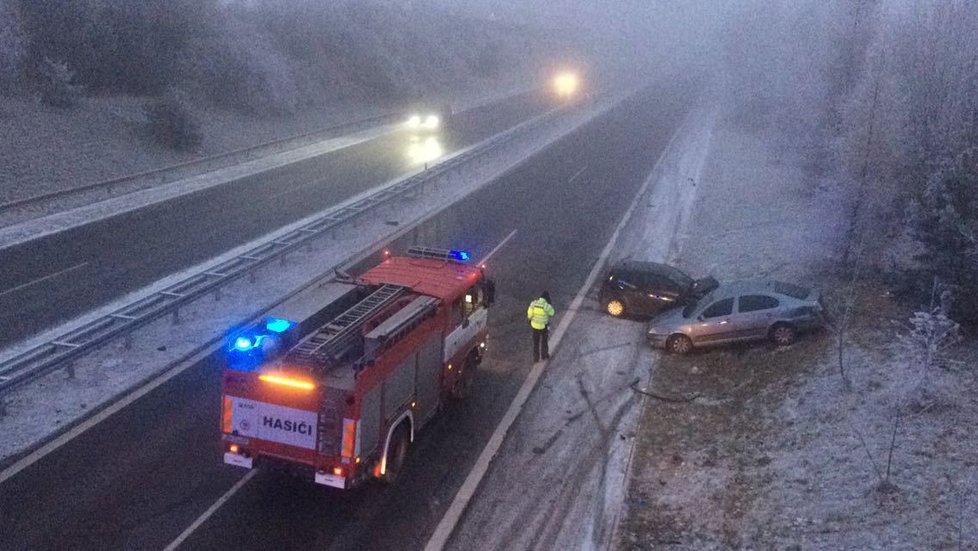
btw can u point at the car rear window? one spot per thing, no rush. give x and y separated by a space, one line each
676 276
792 290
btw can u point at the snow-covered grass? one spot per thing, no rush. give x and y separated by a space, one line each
47 149
773 450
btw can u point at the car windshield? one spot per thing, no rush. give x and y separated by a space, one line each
690 308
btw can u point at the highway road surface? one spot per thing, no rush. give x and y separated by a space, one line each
140 478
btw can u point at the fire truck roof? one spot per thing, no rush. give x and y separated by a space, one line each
436 278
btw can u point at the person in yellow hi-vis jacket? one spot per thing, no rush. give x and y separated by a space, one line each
539 315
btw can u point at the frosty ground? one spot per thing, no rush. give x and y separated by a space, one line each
754 447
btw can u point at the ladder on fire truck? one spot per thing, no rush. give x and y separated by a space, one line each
336 337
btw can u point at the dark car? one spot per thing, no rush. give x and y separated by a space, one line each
635 288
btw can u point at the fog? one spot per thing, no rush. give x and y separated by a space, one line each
882 94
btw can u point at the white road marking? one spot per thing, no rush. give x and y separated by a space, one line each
439 538
45 278
499 246
576 174
211 510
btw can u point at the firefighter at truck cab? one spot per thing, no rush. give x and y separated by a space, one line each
539 315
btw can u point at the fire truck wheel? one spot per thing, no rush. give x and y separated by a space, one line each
397 453
463 386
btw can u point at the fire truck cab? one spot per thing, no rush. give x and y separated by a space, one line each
333 386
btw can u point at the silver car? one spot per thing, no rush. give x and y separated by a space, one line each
739 311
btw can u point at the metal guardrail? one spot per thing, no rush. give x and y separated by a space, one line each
203 164
65 348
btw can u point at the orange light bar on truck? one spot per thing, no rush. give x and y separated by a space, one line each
285 381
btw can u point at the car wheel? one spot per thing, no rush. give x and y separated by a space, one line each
679 344
783 334
615 307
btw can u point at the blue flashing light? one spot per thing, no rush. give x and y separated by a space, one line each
461 255
276 325
244 343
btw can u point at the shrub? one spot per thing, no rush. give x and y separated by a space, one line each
57 84
171 124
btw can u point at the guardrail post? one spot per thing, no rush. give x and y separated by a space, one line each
252 277
282 259
175 317
70 370
217 293
127 341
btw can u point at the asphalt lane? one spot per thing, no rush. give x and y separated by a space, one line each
55 278
139 478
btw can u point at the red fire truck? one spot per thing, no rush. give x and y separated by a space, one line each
333 387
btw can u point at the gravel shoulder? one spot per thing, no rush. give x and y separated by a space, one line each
769 448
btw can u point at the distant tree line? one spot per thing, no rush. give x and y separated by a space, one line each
884 95
258 56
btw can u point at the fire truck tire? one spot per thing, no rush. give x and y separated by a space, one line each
397 453
463 386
